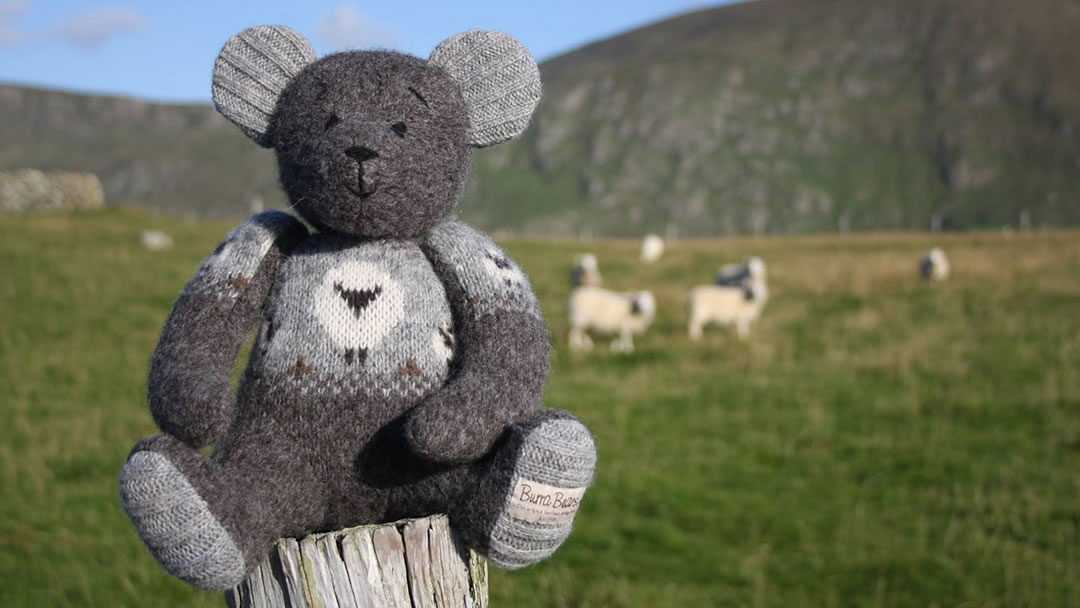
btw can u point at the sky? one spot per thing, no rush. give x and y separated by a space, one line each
165 50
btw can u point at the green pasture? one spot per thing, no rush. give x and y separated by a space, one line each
876 442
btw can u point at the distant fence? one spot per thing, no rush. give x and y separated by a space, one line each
33 190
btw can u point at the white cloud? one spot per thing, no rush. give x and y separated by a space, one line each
10 10
89 30
345 27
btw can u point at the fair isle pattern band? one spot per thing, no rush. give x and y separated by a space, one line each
397 384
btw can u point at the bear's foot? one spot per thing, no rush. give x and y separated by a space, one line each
536 484
176 524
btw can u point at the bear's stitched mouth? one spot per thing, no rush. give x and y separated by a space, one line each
362 186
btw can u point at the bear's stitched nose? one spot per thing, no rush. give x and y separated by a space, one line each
360 153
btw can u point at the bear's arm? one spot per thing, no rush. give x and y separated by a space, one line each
501 352
189 392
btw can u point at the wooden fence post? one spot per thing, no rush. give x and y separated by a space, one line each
407 564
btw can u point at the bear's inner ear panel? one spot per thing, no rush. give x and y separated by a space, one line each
252 70
499 80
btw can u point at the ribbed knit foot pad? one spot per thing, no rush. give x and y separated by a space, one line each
176 525
555 464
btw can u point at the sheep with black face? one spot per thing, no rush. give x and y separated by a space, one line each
934 266
400 356
736 305
622 314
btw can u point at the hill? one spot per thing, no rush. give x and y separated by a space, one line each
182 159
772 116
804 115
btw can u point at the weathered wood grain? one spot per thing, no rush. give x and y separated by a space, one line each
335 567
417 555
316 574
390 552
416 563
289 552
363 568
450 566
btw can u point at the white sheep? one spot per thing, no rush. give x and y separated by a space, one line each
934 266
734 305
652 247
155 240
611 313
585 272
735 274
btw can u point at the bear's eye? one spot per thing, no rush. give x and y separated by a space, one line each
399 128
330 122
418 96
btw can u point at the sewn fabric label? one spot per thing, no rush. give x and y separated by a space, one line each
540 503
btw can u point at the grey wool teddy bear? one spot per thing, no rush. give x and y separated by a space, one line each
400 356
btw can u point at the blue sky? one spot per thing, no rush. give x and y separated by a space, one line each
165 50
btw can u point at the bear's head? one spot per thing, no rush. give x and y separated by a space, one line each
375 143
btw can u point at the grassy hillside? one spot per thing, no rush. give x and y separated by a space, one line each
182 159
771 116
785 116
877 442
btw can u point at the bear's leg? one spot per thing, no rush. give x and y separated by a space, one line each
162 488
527 490
206 524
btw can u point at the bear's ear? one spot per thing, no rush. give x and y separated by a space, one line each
498 78
252 70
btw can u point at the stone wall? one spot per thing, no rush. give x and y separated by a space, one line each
32 190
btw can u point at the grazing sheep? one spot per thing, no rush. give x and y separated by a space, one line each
736 274
652 247
609 312
155 240
585 272
731 274
733 305
934 266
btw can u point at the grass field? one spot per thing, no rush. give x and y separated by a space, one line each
877 441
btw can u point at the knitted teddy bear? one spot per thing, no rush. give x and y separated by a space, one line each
400 356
